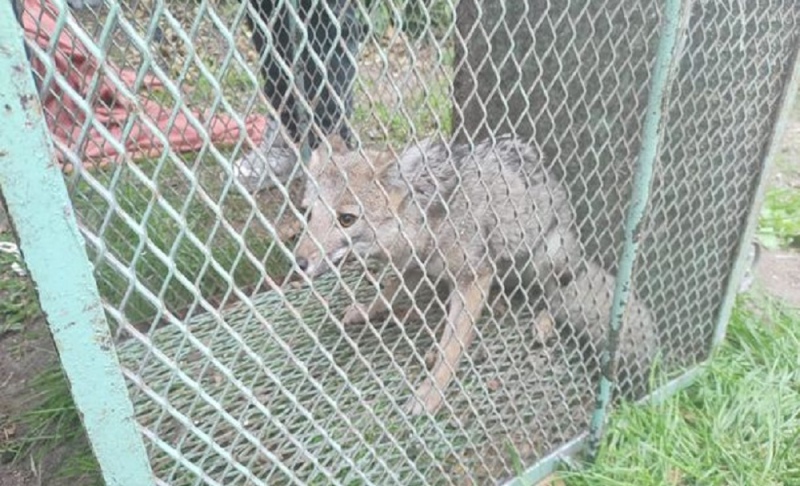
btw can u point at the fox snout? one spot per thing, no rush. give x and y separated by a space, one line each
302 263
307 257
312 262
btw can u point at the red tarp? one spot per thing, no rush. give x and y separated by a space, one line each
110 107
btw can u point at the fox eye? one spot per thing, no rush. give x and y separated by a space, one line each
346 219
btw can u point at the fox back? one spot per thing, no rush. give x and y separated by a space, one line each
451 208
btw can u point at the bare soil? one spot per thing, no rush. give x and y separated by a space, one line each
778 273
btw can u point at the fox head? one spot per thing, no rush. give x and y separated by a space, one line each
350 204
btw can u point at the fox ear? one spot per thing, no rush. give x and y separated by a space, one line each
388 174
322 154
391 180
318 158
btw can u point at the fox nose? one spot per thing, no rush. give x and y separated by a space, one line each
302 263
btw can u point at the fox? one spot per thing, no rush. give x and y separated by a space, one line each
475 217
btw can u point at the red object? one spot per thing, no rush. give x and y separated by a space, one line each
109 106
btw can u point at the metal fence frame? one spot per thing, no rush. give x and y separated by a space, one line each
56 259
58 264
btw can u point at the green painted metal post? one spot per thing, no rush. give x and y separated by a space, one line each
37 201
675 19
773 146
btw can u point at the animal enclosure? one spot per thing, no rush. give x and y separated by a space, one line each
199 353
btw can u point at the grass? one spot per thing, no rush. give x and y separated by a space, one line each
17 299
739 423
422 113
54 423
779 225
140 234
51 421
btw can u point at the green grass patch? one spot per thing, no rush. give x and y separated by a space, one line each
167 236
422 113
53 422
18 303
779 225
738 424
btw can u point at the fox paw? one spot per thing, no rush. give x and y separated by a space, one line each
356 314
427 399
360 313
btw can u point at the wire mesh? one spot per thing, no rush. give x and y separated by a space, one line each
234 274
725 101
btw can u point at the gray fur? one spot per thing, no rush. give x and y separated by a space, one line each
500 187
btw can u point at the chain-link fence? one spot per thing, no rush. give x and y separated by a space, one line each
365 242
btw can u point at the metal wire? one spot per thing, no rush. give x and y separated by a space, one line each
243 369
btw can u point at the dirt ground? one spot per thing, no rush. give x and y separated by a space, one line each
779 273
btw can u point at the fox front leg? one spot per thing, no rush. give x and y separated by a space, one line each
358 313
466 303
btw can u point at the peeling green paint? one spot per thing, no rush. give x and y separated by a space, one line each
38 204
674 26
